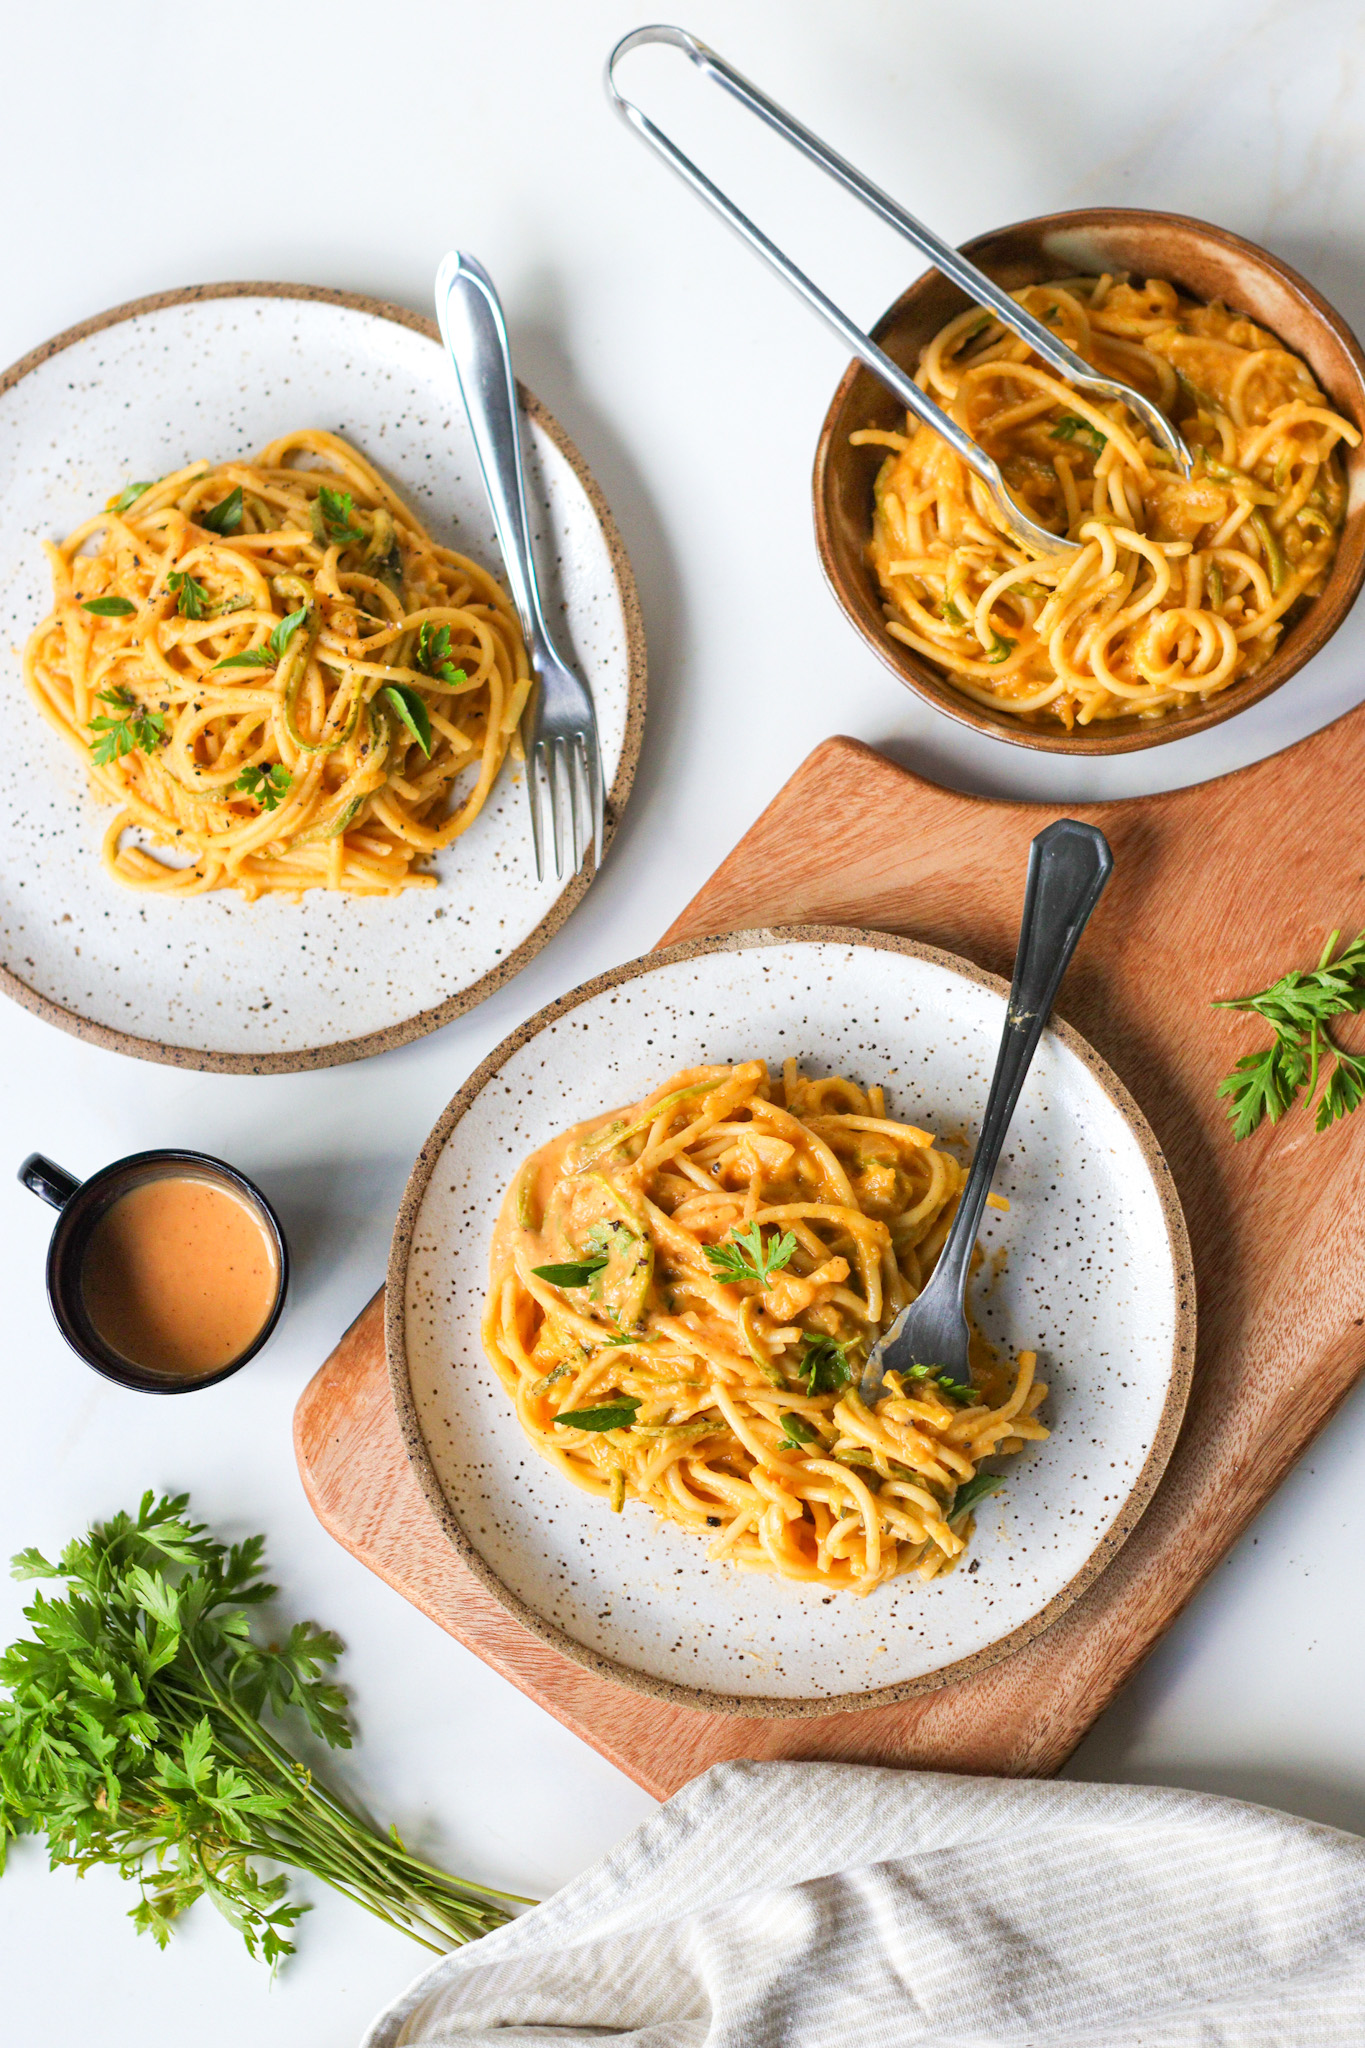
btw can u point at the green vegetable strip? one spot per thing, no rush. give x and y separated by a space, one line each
1276 567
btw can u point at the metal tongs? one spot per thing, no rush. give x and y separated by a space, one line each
953 266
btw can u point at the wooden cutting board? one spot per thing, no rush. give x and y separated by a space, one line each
1216 890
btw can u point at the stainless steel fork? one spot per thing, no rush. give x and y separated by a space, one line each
560 730
1068 867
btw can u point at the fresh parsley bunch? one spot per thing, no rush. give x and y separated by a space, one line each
1298 1007
132 1734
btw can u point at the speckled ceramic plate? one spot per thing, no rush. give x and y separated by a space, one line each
267 987
1096 1276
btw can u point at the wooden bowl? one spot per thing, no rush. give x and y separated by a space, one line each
1206 262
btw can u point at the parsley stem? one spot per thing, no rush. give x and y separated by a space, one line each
335 1825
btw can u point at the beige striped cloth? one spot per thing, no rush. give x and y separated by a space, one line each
818 1905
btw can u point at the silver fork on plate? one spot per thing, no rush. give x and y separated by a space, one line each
561 725
1068 867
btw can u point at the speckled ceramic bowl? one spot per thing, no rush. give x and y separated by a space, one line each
1208 263
272 986
1096 1275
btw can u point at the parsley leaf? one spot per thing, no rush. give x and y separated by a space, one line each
1071 427
273 653
134 727
961 1391
192 598
797 1430
433 654
108 607
224 517
1263 1084
1344 1092
408 703
824 1363
971 1491
572 1273
269 786
126 497
744 1256
333 517
616 1414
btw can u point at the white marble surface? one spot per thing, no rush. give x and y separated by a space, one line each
148 146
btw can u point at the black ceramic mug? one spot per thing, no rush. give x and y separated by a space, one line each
83 1205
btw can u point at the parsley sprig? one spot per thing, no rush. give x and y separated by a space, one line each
273 653
744 1256
269 786
1298 1008
334 519
433 654
133 727
192 599
133 1732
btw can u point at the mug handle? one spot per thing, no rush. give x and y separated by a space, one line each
41 1177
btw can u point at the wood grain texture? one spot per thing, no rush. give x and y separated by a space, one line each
1216 890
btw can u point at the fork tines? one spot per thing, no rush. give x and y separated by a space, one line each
573 773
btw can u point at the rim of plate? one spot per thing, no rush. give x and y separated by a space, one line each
753 1706
421 1022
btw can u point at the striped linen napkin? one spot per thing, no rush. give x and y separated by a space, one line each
815 1905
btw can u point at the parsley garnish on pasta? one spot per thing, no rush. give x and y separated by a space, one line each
683 1295
309 691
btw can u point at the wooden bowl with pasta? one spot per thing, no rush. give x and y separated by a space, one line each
1234 578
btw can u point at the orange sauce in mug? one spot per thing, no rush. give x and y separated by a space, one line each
180 1276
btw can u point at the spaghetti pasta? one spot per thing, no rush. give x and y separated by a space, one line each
1183 585
682 1297
278 677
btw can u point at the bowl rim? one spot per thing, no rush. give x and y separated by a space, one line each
1119 736
782 1707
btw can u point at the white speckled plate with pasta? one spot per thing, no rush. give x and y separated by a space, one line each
1090 1266
213 980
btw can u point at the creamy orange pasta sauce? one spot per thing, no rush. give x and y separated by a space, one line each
277 677
682 1298
1183 585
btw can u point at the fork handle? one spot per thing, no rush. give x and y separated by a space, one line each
1068 866
475 335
